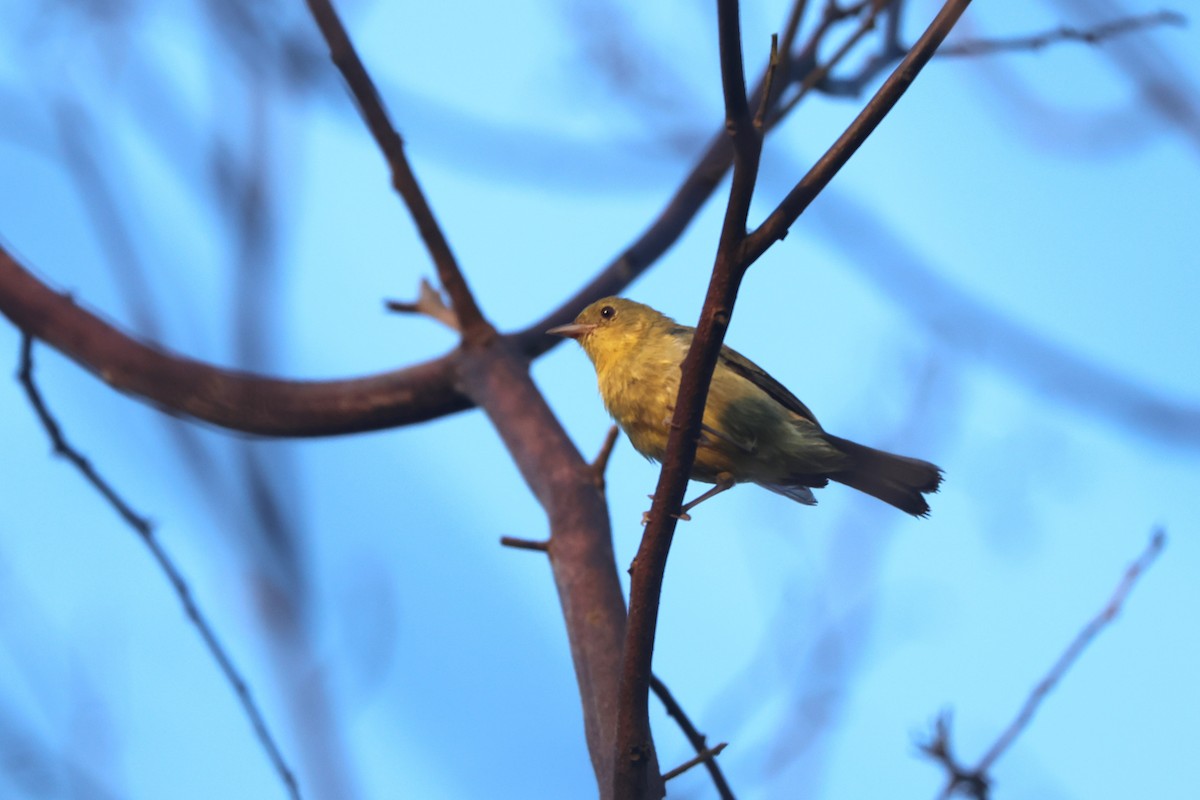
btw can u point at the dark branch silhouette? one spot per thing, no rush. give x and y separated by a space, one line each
695 737
975 780
736 252
145 531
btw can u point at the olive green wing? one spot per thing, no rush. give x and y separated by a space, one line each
746 368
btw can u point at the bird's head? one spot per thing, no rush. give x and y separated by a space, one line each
611 326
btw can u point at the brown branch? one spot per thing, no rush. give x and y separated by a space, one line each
736 252
600 465
580 550
976 778
341 50
525 544
694 736
232 399
632 777
145 531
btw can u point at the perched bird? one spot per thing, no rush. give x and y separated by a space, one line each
754 430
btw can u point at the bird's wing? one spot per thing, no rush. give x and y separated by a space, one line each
743 366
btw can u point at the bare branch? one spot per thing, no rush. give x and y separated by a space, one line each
776 225
601 463
145 531
525 544
1040 41
707 756
474 327
694 736
975 779
232 399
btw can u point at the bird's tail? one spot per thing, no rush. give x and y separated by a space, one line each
897 480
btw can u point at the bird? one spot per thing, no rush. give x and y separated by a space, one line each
753 431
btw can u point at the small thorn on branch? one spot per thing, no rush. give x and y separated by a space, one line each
768 86
542 546
700 758
430 303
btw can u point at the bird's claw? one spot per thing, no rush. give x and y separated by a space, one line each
682 516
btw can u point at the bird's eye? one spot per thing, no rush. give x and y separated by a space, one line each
608 312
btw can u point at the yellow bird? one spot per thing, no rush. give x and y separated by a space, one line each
754 430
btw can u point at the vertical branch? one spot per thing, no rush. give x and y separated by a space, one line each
634 742
736 252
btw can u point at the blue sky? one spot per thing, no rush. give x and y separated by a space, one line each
1004 270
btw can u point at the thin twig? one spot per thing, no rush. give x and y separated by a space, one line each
341 50
976 778
694 736
705 757
1039 41
430 303
818 77
775 227
600 465
145 530
540 545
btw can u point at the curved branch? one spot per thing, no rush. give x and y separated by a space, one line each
232 399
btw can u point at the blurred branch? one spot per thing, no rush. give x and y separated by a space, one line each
145 531
694 736
1161 81
429 302
892 49
36 771
1090 36
975 780
475 328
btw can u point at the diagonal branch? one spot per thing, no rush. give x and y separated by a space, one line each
975 780
775 227
632 777
145 531
474 327
694 736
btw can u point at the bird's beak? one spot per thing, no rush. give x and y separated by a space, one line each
573 331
